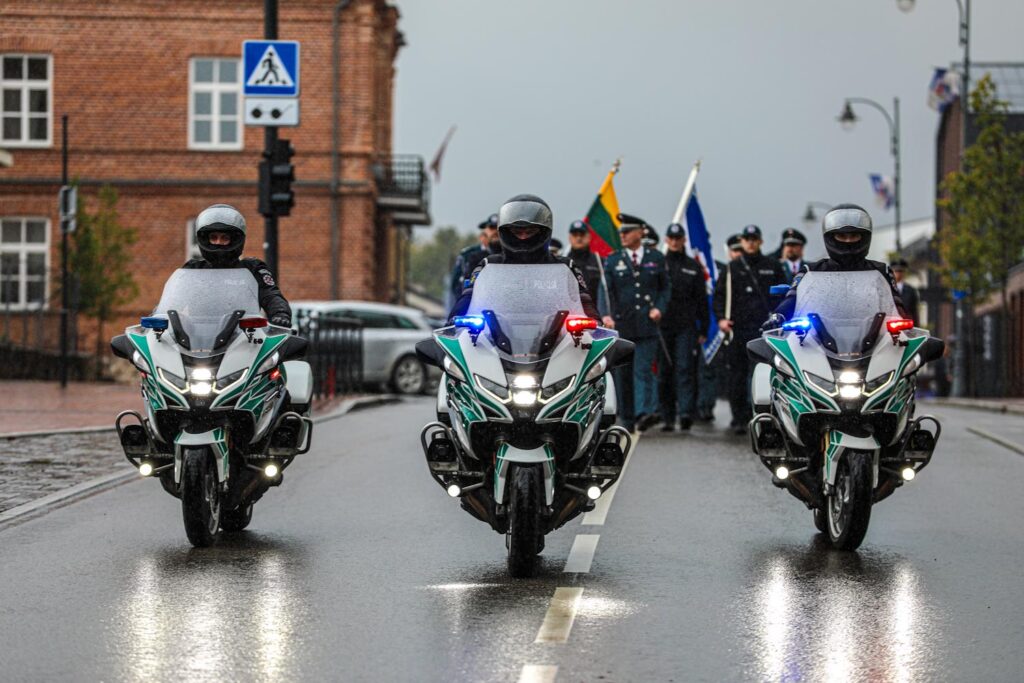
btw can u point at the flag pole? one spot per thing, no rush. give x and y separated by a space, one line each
687 193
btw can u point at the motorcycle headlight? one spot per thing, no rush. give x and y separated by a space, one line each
140 362
524 398
596 371
525 381
877 383
784 367
913 366
556 388
269 364
453 370
849 390
499 391
178 383
227 380
200 388
825 385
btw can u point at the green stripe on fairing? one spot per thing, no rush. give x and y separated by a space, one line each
594 354
834 440
454 350
781 346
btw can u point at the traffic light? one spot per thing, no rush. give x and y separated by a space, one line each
276 176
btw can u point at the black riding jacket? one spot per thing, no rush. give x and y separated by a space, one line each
462 305
827 265
688 304
752 279
271 299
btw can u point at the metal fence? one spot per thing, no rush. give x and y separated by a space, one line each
335 353
30 345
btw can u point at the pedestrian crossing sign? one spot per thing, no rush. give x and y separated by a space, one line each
271 68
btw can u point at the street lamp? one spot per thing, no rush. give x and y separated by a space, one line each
810 219
847 118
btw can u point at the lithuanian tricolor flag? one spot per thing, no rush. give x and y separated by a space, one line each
603 218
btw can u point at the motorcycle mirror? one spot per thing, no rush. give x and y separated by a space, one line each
293 347
932 350
430 353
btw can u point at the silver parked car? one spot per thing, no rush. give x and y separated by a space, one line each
390 334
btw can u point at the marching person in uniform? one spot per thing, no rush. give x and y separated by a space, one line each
735 247
684 325
793 242
911 299
470 257
588 263
742 303
638 292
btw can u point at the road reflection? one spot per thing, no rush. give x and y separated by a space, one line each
815 614
233 612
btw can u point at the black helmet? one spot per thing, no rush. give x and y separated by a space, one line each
220 218
525 210
846 219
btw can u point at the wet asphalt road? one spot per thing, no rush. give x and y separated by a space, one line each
361 568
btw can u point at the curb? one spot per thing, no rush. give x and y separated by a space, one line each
92 487
56 432
980 404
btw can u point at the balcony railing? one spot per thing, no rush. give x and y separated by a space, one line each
403 188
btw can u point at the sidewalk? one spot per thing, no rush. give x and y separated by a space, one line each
29 406
1012 406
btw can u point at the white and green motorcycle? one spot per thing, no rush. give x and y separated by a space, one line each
226 406
525 434
833 398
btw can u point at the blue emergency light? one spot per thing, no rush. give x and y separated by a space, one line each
797 325
475 323
154 322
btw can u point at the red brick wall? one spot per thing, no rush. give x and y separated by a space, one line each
121 74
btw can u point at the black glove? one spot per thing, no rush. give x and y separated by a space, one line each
774 322
281 320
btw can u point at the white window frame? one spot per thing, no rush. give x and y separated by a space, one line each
215 89
25 85
23 249
191 246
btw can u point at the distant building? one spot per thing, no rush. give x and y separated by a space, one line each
153 92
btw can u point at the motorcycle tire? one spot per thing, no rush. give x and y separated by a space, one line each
849 506
237 519
525 537
200 497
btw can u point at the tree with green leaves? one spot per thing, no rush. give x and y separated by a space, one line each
984 236
100 259
430 262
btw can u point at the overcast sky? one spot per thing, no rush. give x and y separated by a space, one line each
547 93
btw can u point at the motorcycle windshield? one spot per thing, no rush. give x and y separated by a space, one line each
205 300
848 304
526 300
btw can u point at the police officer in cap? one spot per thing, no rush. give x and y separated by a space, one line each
793 242
911 299
742 303
587 262
555 245
524 228
220 234
684 325
735 248
638 293
470 257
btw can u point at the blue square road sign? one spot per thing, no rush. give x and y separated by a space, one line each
271 68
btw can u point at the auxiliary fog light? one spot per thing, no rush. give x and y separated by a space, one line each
145 469
524 398
594 492
908 474
782 472
454 491
849 390
271 470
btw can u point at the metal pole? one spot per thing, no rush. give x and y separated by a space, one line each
65 295
965 96
897 181
269 139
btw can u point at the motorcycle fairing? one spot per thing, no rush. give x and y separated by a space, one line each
216 439
508 454
838 442
158 394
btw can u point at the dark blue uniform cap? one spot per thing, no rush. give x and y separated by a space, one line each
491 222
628 222
578 226
751 232
793 236
675 230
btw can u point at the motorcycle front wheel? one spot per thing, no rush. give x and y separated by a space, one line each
525 538
200 497
849 506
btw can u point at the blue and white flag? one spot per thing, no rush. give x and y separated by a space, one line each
884 188
703 252
944 89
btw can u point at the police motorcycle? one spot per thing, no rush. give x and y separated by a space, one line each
525 435
227 408
833 398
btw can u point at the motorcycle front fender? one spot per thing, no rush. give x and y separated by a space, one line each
837 443
507 455
216 439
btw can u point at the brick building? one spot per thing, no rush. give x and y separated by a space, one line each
153 94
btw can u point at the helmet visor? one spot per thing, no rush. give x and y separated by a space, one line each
845 219
525 213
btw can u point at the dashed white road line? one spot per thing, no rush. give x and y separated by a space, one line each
538 673
561 614
597 516
581 556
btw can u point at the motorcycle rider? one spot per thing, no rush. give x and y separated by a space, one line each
847 232
220 234
524 229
